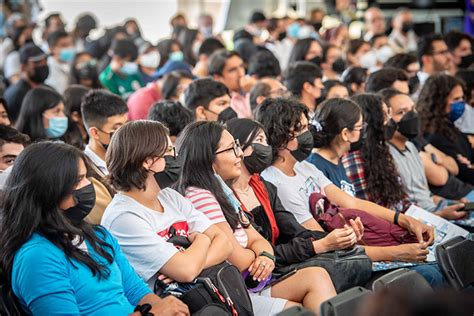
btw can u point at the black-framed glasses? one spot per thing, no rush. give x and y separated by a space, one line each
236 148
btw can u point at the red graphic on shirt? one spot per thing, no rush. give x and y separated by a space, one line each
177 229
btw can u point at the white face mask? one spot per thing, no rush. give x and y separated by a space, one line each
150 60
368 60
384 53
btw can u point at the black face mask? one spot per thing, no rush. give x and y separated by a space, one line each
317 26
339 65
281 36
358 144
260 158
87 72
226 115
305 145
107 145
85 201
316 60
40 74
413 84
410 125
407 27
390 129
466 61
170 174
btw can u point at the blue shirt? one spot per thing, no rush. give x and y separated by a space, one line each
46 283
335 173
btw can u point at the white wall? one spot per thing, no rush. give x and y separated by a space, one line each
153 15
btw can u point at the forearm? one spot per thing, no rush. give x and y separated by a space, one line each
151 299
219 250
381 253
260 245
376 210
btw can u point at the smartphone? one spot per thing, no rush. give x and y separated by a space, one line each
468 207
283 277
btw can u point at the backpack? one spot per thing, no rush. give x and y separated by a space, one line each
377 231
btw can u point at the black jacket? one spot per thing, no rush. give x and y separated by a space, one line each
294 244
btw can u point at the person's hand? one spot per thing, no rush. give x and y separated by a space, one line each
340 238
415 252
163 278
423 232
115 66
358 227
261 268
247 83
451 212
463 160
170 306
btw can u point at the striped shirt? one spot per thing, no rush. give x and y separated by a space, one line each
205 202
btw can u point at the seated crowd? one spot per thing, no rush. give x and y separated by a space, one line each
113 150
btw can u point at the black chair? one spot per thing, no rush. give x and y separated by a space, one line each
406 279
296 311
344 304
454 258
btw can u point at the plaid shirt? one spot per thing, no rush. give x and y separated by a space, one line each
355 171
354 166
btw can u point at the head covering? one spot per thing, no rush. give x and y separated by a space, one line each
170 66
31 52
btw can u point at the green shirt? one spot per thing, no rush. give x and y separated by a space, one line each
123 85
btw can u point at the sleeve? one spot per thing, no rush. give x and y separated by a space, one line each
321 179
106 78
134 287
197 221
146 251
40 279
205 202
294 203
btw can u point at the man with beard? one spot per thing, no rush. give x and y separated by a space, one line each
433 55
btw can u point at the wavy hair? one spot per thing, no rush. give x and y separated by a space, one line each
383 180
432 103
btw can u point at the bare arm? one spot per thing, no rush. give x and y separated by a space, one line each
221 247
436 174
185 266
446 161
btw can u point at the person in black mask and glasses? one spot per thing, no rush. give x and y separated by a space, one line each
408 160
52 259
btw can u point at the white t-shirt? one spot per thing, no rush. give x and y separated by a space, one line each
142 233
294 191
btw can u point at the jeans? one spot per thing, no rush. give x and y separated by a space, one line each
432 274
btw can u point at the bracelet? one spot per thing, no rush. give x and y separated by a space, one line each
268 255
395 219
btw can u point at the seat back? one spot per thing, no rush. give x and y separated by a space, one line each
454 258
406 279
345 303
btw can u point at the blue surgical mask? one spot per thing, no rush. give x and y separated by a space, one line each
129 68
57 126
177 56
67 54
457 110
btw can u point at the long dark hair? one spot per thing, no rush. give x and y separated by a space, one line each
43 175
334 115
36 101
299 51
245 130
383 180
198 144
74 77
432 102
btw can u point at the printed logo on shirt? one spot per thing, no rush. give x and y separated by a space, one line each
347 187
310 186
177 229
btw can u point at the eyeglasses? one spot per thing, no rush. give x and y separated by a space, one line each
360 129
443 52
236 148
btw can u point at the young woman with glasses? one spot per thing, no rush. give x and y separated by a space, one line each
212 158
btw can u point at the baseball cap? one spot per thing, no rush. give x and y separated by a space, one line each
31 52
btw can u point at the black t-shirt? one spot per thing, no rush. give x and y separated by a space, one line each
452 148
14 96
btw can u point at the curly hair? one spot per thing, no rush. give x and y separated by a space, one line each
282 119
383 184
432 102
